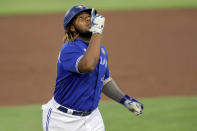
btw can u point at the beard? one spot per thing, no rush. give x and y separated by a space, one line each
84 34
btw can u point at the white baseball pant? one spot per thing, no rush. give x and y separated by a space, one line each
55 120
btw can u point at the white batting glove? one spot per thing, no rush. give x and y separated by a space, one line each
133 105
97 23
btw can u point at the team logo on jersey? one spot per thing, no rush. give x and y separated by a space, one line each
81 6
103 51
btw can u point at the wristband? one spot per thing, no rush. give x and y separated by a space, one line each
126 97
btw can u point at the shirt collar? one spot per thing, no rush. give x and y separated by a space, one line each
81 41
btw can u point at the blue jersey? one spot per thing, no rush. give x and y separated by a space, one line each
75 90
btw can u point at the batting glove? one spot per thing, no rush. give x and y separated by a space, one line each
132 104
97 22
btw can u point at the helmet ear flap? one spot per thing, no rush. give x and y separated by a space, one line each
70 23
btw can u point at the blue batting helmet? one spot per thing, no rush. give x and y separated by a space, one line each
72 12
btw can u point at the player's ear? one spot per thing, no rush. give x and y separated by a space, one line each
72 28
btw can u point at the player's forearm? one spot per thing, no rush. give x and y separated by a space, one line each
91 57
112 90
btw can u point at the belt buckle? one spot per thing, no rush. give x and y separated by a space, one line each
69 111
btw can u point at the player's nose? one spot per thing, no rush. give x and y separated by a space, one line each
88 19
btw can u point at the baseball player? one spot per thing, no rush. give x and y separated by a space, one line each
82 74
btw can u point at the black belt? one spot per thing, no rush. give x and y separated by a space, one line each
76 113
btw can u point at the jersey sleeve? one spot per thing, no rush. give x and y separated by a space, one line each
70 57
107 73
107 77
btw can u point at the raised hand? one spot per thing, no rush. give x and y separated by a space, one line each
97 22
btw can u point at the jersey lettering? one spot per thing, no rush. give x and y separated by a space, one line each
103 62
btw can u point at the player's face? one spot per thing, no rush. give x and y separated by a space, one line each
82 24
83 21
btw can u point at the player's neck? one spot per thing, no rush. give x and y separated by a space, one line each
84 39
